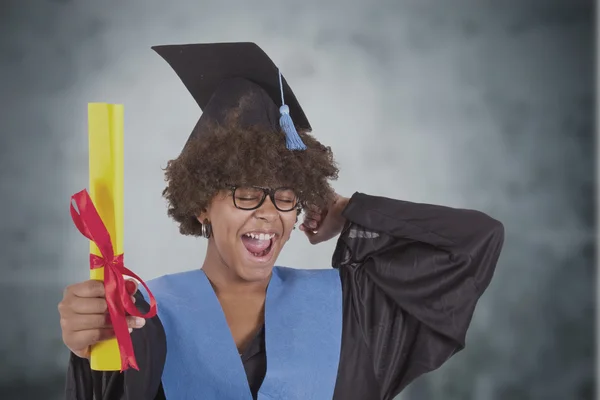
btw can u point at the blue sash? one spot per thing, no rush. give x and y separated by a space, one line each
303 330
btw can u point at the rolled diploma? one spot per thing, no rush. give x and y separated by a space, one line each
105 129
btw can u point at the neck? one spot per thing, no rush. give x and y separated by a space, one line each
224 279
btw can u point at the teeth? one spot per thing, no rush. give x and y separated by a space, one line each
260 236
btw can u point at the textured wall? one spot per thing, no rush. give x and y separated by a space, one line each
465 103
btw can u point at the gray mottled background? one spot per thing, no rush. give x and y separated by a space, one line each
477 104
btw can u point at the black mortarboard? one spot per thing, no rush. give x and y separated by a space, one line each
219 75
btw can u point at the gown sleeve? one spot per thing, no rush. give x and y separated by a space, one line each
149 344
411 277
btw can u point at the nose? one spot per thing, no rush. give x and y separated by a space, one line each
267 211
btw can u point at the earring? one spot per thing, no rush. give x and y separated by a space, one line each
206 229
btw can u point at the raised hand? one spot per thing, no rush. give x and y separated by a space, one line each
322 225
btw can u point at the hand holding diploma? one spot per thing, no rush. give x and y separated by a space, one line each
84 316
96 315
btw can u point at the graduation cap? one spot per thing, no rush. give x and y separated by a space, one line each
222 77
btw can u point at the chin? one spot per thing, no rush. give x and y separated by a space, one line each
254 273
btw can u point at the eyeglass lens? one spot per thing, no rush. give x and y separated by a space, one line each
250 197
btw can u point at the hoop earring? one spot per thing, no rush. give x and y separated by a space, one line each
206 229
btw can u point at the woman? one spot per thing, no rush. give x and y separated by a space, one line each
397 303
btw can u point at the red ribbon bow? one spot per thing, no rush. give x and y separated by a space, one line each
89 223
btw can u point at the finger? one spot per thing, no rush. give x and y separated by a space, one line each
313 215
131 286
91 288
132 322
84 322
79 341
310 223
320 216
89 306
135 322
85 353
308 227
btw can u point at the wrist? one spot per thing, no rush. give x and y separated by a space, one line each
340 203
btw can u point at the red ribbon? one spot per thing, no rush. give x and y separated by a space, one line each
89 223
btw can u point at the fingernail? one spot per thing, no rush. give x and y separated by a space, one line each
139 322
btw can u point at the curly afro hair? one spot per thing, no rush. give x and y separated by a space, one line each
228 154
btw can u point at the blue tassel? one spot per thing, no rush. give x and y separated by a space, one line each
292 139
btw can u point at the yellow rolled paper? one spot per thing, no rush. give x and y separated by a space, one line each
105 129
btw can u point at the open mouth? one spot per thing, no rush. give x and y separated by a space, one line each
259 244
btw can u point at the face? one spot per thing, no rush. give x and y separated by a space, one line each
246 243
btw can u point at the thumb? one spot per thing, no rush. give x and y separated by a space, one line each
131 286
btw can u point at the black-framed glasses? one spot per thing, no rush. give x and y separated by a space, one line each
252 197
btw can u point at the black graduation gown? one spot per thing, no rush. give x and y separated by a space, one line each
411 277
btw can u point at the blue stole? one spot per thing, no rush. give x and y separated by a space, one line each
303 330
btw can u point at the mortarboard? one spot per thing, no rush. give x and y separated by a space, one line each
220 75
